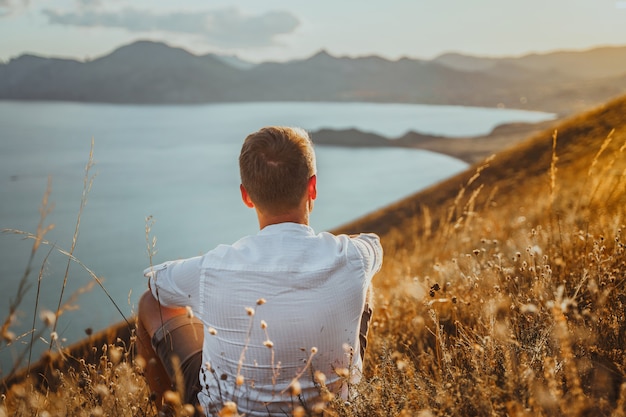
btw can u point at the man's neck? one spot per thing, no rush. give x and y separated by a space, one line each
298 215
300 218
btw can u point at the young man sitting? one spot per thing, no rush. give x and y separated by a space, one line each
251 324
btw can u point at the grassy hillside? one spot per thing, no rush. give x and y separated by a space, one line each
514 175
502 293
504 289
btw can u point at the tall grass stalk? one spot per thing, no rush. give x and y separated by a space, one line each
38 239
23 286
87 183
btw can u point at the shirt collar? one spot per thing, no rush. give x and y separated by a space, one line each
286 227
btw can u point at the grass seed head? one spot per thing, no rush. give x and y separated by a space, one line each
320 377
295 387
318 408
115 355
48 318
97 411
188 410
8 336
299 411
171 398
342 372
228 410
101 390
140 362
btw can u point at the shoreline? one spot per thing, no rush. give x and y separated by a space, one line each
470 149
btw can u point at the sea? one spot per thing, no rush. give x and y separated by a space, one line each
131 185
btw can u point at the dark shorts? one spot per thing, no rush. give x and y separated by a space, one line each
178 343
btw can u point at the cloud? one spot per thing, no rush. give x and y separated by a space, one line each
9 7
89 3
225 27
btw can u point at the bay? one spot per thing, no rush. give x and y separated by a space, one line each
178 164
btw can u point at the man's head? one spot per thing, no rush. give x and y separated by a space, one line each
276 166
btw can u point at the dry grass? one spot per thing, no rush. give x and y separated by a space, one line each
505 297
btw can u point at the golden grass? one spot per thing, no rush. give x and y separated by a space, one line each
502 294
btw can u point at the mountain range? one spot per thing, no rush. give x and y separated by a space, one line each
147 72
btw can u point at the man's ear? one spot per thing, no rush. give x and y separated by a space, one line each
245 197
312 188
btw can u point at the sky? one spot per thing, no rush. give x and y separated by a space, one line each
281 30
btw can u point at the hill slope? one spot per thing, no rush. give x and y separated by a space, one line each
516 171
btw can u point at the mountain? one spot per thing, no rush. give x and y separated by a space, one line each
148 72
324 77
144 72
604 62
234 61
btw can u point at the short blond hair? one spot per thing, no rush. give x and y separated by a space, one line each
275 165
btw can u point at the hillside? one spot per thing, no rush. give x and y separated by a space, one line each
524 165
148 72
502 292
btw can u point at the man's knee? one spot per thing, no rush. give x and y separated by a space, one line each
146 302
149 313
147 306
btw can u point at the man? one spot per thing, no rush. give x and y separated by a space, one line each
250 324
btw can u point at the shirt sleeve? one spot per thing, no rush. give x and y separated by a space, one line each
176 283
368 244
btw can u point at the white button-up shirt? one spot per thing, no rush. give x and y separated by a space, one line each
266 303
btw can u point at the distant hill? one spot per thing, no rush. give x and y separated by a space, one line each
471 149
605 62
148 72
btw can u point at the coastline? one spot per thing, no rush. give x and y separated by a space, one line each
470 149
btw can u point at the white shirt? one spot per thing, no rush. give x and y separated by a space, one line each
312 289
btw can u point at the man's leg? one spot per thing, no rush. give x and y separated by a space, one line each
167 340
366 316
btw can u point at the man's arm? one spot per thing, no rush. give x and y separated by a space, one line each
175 283
371 250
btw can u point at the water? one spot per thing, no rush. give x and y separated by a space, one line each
178 164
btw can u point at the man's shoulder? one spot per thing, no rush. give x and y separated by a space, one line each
370 238
369 248
364 244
